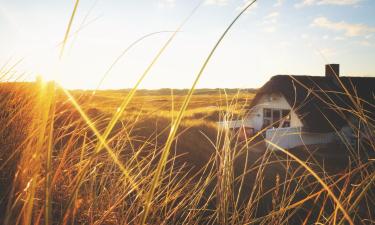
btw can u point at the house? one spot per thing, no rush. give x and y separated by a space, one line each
296 110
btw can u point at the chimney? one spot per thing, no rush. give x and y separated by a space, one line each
333 71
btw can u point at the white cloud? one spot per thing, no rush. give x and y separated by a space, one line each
245 3
327 52
349 29
272 15
278 3
271 18
166 3
270 21
270 29
326 2
216 2
338 2
305 3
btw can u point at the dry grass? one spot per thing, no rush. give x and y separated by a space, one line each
50 165
153 157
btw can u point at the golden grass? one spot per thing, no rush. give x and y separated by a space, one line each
159 157
212 175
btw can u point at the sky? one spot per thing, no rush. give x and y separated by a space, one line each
273 37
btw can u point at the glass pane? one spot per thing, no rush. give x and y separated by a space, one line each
276 115
266 112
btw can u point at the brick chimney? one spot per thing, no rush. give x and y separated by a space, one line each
333 71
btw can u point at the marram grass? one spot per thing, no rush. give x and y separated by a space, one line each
74 157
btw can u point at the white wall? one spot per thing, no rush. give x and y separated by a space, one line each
234 124
255 116
293 136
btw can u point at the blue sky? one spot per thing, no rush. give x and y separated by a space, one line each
274 37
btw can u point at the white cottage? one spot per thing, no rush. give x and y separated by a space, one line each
307 110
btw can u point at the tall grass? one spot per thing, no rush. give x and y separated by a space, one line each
67 160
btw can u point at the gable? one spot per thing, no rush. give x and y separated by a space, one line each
274 101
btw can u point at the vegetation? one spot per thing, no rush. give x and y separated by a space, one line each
159 157
53 172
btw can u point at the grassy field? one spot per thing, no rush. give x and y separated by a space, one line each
159 157
60 164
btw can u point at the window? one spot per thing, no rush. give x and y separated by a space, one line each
267 112
276 117
267 117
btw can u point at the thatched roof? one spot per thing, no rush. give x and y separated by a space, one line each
324 104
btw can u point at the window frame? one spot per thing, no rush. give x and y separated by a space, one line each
283 119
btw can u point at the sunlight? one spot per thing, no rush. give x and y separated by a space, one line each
187 112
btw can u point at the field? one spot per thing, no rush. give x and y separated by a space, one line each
136 156
60 164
